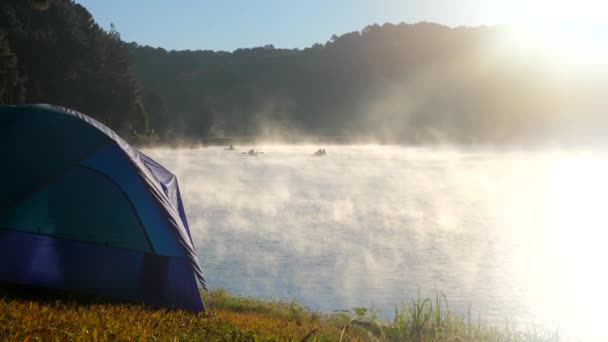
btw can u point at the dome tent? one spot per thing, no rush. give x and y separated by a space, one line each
81 210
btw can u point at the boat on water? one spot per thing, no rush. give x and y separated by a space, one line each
252 152
320 153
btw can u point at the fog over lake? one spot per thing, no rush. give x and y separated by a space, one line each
519 236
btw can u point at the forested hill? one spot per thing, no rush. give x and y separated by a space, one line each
394 83
54 52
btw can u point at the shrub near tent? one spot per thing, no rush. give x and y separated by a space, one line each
83 211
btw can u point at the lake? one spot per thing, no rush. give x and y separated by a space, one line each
518 236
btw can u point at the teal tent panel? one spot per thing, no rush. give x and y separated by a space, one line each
112 162
36 152
82 205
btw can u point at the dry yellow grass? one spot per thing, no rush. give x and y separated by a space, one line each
235 319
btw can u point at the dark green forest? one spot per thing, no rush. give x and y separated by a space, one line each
57 54
404 83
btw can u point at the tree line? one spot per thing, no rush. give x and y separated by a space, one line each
406 83
403 83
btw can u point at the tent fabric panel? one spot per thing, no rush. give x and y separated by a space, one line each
112 162
35 260
31 141
82 205
170 186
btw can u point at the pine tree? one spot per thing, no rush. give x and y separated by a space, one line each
11 85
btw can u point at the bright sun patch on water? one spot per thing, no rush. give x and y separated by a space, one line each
577 237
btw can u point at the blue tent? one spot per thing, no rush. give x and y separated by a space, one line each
83 211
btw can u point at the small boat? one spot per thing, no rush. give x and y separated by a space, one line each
230 148
252 152
320 153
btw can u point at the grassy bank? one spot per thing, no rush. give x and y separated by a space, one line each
241 319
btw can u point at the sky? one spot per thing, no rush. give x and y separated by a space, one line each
231 24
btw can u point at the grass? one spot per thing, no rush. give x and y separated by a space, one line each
240 319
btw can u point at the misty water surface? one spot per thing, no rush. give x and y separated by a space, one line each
517 236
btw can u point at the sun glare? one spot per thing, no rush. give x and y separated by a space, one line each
576 241
564 31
